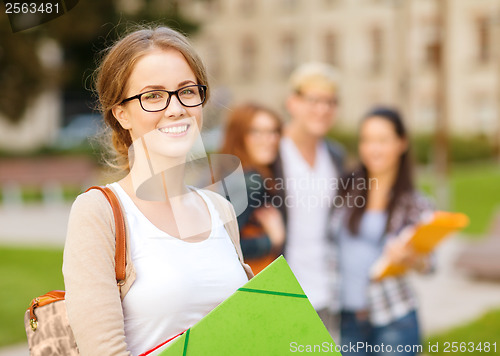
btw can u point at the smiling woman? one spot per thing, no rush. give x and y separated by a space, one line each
151 87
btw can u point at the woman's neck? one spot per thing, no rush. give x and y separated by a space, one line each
155 177
379 192
384 180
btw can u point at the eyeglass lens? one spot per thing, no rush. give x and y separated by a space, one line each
158 100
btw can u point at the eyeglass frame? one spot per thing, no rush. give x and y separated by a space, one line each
170 93
314 101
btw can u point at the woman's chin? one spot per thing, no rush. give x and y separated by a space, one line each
176 145
175 150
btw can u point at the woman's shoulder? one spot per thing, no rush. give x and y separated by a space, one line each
253 179
418 200
215 198
223 206
92 202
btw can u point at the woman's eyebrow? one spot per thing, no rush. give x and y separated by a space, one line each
152 87
185 82
161 87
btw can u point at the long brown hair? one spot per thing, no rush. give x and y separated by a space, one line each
111 77
402 185
238 127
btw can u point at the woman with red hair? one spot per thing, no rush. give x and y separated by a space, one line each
253 134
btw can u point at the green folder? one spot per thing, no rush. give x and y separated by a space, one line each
269 315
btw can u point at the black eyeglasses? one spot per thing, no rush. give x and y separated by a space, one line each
313 101
158 100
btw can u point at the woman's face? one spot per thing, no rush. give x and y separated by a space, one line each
262 139
380 148
172 131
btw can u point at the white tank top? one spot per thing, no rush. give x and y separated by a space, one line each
177 282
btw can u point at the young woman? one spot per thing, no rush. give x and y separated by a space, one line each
379 203
253 134
151 87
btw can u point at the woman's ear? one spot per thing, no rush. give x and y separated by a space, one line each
122 116
405 145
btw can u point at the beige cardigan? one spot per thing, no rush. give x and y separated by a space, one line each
93 299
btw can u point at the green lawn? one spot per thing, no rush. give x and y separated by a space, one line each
27 273
474 190
482 330
24 274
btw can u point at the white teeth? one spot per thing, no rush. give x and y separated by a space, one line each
175 129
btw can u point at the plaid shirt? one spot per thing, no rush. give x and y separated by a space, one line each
392 297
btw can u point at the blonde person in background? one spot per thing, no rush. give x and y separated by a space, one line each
151 86
253 134
308 167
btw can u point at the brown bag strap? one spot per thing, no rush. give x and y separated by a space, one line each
120 250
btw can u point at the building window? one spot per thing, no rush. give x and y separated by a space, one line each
289 5
483 34
288 55
427 116
247 7
377 47
331 3
485 116
331 49
214 6
214 58
432 46
248 59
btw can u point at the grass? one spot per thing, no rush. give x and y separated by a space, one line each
484 329
27 273
474 190
24 275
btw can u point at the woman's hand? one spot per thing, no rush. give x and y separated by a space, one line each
272 222
401 252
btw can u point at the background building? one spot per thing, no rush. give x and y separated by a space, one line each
387 52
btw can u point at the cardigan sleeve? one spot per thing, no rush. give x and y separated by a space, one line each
93 300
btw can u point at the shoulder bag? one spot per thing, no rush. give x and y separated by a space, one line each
46 322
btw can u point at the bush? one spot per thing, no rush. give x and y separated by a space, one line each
461 149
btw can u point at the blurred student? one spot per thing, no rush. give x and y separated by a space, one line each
380 201
252 134
308 167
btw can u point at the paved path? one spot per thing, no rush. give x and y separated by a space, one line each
34 225
16 350
447 298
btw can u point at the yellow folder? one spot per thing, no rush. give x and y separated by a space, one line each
426 237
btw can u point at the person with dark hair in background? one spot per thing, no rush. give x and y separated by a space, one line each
380 205
252 134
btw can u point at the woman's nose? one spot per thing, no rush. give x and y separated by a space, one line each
174 108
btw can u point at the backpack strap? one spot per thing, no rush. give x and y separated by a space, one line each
120 250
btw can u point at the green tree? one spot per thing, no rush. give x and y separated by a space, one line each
83 32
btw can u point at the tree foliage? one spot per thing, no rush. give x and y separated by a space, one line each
82 33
